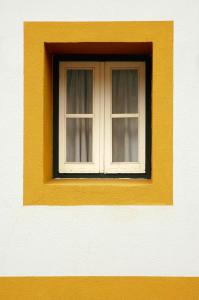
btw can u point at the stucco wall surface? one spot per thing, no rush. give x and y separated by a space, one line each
99 240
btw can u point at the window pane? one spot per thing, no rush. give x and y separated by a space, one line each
79 91
125 140
79 140
124 91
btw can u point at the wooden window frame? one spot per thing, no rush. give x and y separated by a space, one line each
42 40
130 170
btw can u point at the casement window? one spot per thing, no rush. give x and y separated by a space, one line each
100 128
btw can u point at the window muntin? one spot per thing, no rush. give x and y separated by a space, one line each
102 117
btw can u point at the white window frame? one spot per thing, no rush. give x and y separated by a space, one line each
102 119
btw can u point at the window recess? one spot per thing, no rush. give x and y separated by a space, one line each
101 126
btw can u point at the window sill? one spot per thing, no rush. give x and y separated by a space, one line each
97 191
100 192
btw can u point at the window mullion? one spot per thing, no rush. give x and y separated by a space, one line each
101 117
107 117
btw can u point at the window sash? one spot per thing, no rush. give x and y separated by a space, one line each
78 167
125 167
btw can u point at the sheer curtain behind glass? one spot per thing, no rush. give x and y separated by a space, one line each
79 129
124 129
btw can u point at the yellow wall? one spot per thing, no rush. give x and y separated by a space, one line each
99 288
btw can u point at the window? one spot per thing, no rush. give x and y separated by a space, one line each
100 118
45 42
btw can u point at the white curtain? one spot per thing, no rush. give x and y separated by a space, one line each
124 139
124 130
124 91
79 130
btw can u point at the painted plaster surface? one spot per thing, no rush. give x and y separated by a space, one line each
130 240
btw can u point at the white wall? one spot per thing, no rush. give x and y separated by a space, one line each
99 240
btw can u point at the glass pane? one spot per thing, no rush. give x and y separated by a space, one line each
124 139
79 92
124 91
79 140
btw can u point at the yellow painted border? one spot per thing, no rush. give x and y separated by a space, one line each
39 187
99 288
